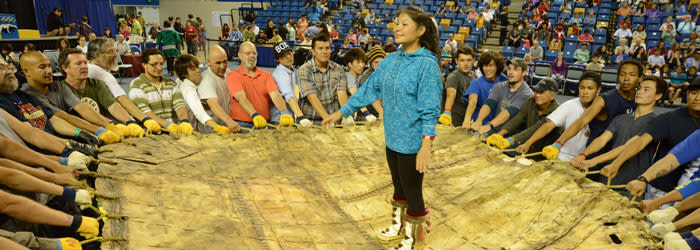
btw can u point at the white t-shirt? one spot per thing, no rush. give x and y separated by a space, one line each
213 86
83 49
565 115
194 104
97 72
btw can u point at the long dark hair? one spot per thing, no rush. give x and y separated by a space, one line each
429 39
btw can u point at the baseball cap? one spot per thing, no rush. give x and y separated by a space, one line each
546 84
695 84
518 62
280 48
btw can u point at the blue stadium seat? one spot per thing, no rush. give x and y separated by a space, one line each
655 20
652 43
571 38
550 55
451 29
603 18
521 52
654 27
569 56
655 35
600 33
508 52
599 40
570 46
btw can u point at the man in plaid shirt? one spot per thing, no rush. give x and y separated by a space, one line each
157 96
322 83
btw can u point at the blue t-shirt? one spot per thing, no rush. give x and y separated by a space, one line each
615 104
26 108
688 149
481 87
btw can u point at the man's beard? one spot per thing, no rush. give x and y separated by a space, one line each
513 83
9 85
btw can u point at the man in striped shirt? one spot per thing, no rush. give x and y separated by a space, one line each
157 96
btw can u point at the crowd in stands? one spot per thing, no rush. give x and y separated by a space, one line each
617 131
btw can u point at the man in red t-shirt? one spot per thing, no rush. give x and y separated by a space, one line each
190 35
252 89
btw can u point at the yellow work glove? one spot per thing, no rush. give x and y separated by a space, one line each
222 130
493 139
134 129
85 226
117 130
151 125
259 121
171 127
446 118
185 127
552 151
286 119
69 244
107 136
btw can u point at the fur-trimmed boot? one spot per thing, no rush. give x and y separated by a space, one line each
416 229
395 230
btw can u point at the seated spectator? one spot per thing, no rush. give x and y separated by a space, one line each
625 22
661 47
679 81
536 51
669 23
582 55
390 46
590 19
574 30
603 55
654 11
623 32
621 129
640 54
693 61
637 44
668 35
656 59
530 117
625 11
686 27
441 11
122 46
276 38
490 65
565 116
370 17
565 7
555 44
472 14
640 11
623 45
542 32
586 37
692 40
488 14
82 40
515 36
595 64
640 33
559 69
576 19
505 98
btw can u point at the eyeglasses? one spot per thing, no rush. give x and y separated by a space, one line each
156 65
7 67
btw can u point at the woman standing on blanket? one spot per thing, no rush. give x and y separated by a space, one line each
408 82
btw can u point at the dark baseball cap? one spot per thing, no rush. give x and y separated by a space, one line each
695 84
280 48
546 84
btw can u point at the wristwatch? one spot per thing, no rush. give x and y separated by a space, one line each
643 179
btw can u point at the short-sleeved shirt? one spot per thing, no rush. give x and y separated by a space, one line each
623 127
7 131
285 79
96 94
615 104
459 81
107 78
28 109
567 113
257 90
507 99
325 85
481 87
213 86
688 149
352 80
162 100
669 129
59 97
